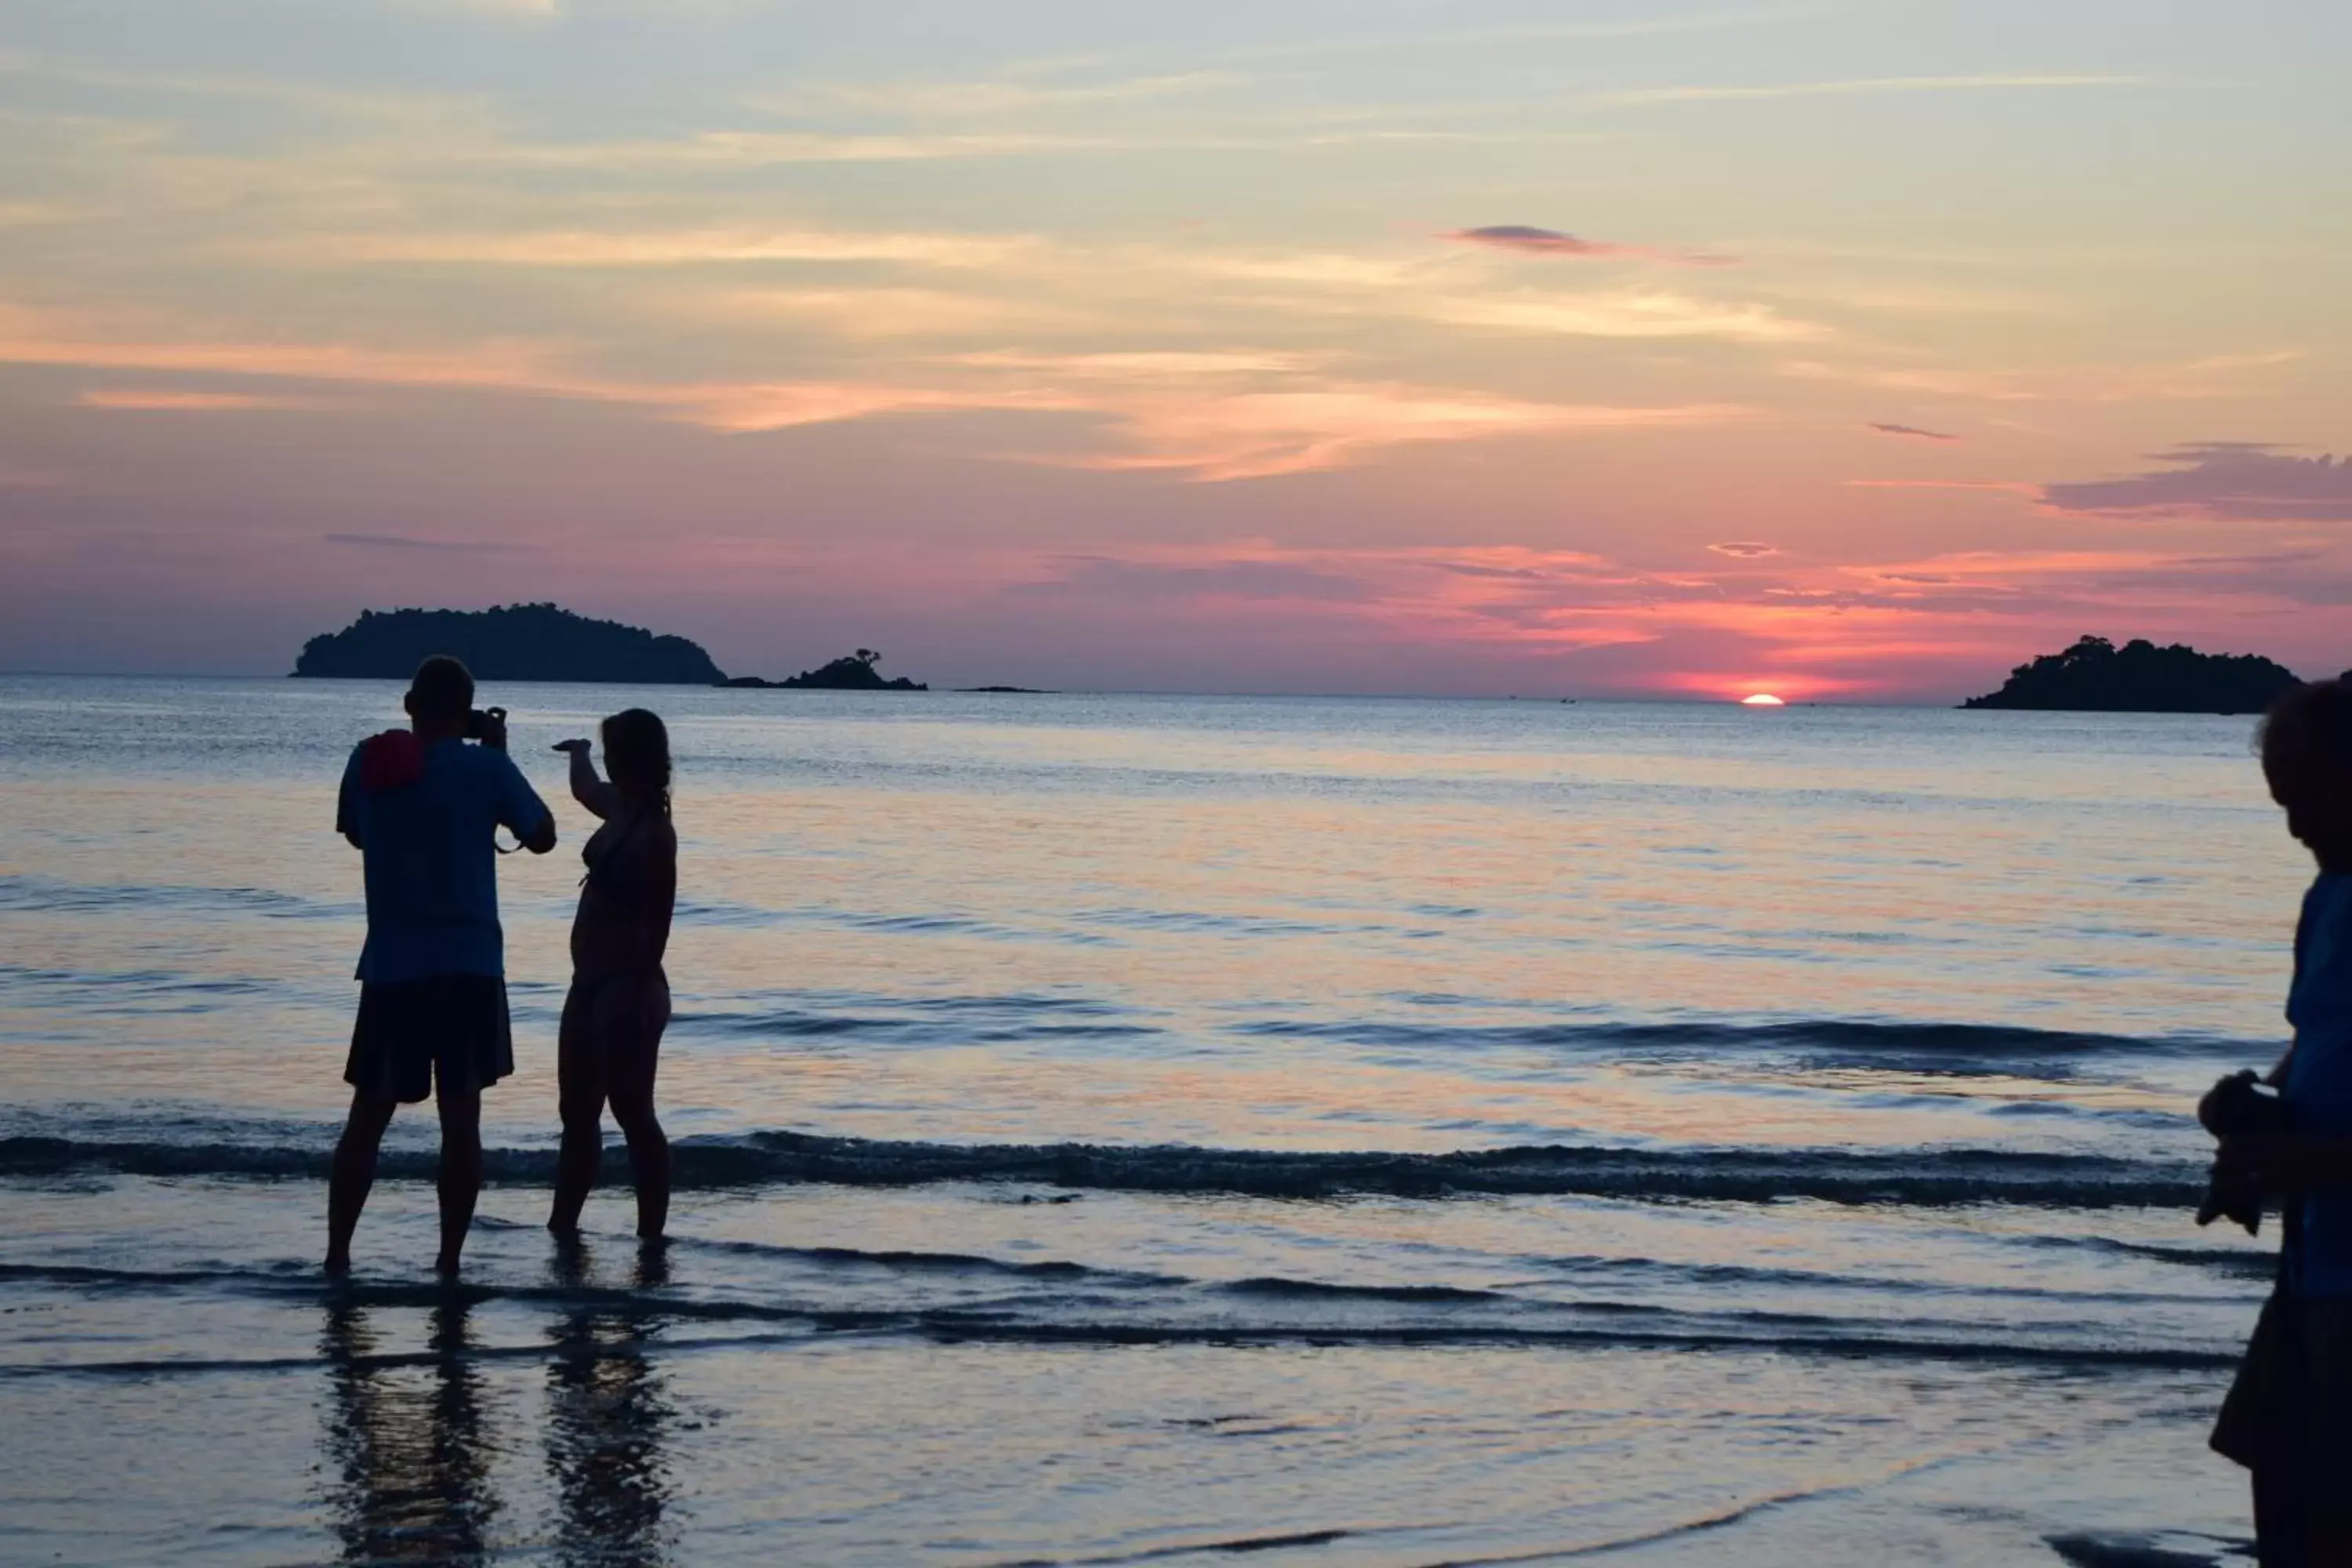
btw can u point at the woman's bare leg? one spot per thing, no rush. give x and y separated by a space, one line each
579 1091
630 1029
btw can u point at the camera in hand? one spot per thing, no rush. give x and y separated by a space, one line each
483 723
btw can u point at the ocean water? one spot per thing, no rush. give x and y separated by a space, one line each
1175 1130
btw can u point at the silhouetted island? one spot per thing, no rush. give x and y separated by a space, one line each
2096 676
852 672
509 642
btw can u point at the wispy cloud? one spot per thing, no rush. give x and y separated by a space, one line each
1201 415
532 10
2196 380
1527 240
1908 432
2008 487
1148 364
26 338
1859 86
1261 433
13 476
328 100
403 542
673 247
164 399
1623 315
38 214
1102 577
718 149
1004 95
1593 30
2221 480
1745 549
885 313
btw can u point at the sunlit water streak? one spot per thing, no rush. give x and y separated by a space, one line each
1127 1128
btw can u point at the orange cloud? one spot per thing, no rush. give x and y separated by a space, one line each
175 400
1157 402
1622 315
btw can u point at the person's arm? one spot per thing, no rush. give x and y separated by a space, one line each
522 813
601 798
347 816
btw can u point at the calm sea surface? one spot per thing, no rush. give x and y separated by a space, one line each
1125 1129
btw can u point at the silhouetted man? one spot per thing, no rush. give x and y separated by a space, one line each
423 807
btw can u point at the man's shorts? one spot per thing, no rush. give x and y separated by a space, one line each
449 1027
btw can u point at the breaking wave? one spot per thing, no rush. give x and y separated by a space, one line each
1922 1178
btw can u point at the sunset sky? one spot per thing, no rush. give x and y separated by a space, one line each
1845 351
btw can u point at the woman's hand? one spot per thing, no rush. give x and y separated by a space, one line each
576 747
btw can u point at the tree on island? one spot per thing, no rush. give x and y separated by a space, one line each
2096 676
507 642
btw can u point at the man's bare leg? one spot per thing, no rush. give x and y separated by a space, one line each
461 1172
353 1174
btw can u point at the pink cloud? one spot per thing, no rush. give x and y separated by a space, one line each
1527 241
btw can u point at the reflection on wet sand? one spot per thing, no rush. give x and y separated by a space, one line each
413 1460
607 1415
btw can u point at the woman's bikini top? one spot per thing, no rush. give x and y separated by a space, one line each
608 874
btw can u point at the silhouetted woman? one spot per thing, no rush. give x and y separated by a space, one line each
619 1005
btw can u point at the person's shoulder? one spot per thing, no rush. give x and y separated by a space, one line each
481 762
470 768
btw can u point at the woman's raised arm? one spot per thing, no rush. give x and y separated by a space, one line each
600 797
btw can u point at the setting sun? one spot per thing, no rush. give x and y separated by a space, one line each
1762 699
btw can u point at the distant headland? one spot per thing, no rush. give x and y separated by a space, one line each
2096 676
509 642
546 642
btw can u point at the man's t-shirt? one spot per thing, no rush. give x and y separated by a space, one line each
2319 1079
432 876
